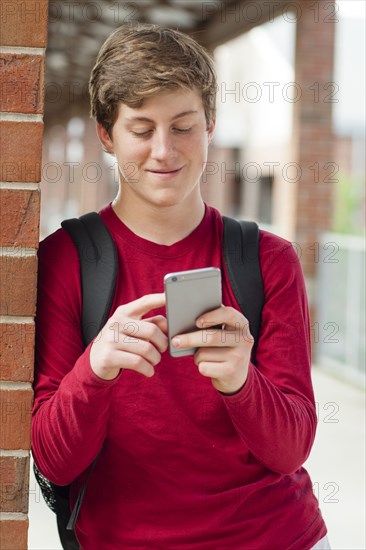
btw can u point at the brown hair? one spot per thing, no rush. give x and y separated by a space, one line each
140 60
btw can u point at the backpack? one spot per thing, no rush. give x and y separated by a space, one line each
98 272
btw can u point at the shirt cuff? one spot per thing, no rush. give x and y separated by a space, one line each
86 376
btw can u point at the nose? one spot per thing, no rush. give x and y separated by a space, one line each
163 146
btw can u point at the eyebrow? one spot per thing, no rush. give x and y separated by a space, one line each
146 119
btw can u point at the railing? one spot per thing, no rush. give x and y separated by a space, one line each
339 332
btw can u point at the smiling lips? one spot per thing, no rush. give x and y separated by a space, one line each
165 173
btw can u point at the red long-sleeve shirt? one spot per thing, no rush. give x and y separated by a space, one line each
182 466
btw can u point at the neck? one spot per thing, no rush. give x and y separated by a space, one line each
162 225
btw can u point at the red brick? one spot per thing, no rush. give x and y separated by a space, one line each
17 352
21 151
313 124
22 83
18 285
19 215
24 23
16 407
14 484
14 534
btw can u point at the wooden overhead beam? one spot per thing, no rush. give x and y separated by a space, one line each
231 19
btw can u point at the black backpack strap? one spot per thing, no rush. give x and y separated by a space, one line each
98 270
241 252
75 512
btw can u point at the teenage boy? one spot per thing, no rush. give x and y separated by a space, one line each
200 452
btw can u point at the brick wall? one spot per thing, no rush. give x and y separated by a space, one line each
23 41
313 137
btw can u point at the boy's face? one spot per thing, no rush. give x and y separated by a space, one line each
161 148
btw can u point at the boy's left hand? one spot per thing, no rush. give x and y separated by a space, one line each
222 354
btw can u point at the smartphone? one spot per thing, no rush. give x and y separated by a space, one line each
189 294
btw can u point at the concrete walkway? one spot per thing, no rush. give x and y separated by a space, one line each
336 465
337 461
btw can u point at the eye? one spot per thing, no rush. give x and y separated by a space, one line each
182 130
142 134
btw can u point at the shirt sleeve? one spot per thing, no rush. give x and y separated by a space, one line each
71 403
274 413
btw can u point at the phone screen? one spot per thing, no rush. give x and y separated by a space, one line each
189 294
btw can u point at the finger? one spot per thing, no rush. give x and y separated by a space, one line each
131 361
223 315
139 347
196 339
214 355
214 337
160 321
142 305
144 331
211 369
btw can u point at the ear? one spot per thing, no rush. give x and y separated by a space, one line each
105 138
211 129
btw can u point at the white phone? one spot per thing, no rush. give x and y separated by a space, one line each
189 294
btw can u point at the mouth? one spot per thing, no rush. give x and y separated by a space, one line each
165 172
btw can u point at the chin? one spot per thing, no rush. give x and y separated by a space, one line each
171 196
166 202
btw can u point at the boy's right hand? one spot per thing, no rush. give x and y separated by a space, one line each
129 342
